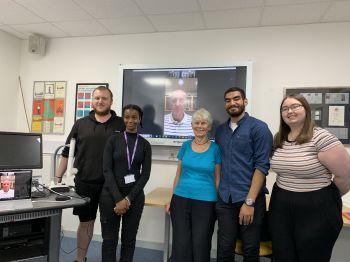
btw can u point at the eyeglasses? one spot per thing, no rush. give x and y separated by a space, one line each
293 107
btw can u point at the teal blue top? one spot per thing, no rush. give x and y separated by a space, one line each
197 179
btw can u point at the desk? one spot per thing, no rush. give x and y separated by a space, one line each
45 214
159 197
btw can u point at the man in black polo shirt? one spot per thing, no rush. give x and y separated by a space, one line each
91 134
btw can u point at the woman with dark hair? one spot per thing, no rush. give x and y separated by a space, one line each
126 168
305 207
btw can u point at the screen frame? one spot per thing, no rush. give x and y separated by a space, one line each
179 141
17 167
29 175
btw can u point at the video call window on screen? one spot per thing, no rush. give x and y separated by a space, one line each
170 95
15 184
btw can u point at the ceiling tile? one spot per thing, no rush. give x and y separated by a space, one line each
45 29
293 14
12 13
168 6
65 18
55 10
177 22
210 5
82 28
109 8
292 2
11 31
128 25
248 17
338 11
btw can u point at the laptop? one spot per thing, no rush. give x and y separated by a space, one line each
15 189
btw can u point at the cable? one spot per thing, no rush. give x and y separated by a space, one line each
61 194
24 104
63 250
45 188
39 193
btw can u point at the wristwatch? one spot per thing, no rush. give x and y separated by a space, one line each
249 202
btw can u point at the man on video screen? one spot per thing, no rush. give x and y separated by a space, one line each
6 190
178 123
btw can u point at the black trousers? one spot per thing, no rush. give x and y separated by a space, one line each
304 226
229 230
110 224
193 226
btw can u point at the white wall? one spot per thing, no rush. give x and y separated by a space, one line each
289 56
10 50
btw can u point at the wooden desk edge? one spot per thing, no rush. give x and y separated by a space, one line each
160 196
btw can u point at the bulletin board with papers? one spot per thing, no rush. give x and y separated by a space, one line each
330 108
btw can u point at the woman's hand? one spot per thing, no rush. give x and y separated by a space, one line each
167 208
121 207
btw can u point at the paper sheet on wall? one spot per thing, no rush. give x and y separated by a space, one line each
317 115
337 98
340 132
336 116
313 98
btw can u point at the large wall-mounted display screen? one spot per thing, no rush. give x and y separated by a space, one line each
169 95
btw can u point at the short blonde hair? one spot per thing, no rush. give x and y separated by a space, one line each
202 114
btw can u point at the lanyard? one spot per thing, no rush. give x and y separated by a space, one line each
133 151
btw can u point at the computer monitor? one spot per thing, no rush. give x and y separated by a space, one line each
20 150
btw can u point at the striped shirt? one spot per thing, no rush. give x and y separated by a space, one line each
297 166
174 128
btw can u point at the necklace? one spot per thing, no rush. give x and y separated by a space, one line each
201 142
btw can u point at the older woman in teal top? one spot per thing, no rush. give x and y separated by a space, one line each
192 206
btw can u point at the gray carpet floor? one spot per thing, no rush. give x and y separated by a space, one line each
68 253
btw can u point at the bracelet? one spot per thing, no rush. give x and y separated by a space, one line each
128 200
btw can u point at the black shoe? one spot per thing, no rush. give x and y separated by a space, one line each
77 261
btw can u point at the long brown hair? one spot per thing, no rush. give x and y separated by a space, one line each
307 130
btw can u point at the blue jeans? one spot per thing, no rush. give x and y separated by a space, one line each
229 230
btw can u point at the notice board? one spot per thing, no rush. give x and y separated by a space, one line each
330 108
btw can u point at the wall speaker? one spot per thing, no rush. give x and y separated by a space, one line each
36 44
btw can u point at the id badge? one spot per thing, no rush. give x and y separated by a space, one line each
130 178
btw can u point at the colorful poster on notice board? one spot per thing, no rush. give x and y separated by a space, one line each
48 107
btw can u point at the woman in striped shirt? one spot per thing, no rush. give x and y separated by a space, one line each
305 207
